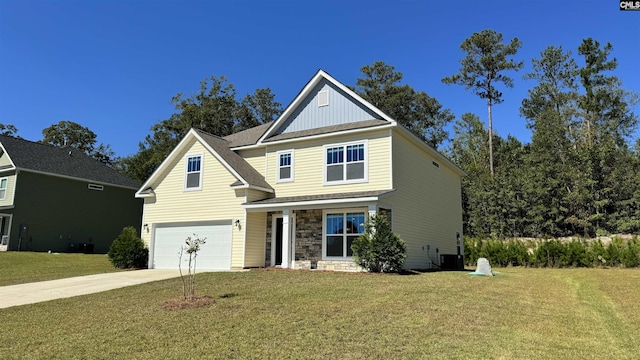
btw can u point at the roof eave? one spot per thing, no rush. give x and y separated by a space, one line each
93 181
12 168
319 136
253 187
357 201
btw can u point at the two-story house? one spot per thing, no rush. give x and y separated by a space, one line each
60 199
296 192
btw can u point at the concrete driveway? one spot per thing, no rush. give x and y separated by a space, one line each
15 295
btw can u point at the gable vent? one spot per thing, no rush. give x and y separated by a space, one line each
323 98
96 187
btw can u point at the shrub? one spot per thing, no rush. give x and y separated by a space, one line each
128 251
518 253
631 257
554 253
596 254
548 253
615 251
378 249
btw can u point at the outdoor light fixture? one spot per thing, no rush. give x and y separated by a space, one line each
237 223
146 227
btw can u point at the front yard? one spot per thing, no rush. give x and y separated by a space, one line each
23 267
522 313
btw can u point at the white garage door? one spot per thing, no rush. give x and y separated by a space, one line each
215 254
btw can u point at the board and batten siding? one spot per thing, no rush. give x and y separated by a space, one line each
10 190
341 109
427 204
309 165
214 202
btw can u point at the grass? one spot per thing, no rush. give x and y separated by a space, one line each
23 267
522 313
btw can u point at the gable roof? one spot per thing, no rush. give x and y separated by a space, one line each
247 176
306 91
65 162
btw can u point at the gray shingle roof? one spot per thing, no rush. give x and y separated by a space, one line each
68 161
247 137
252 135
237 162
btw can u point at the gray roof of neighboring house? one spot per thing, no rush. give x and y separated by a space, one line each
305 198
69 161
237 162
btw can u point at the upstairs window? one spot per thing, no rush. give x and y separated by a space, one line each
285 166
3 188
193 178
345 163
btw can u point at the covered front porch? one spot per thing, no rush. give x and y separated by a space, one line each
316 232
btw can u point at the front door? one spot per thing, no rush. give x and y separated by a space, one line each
278 241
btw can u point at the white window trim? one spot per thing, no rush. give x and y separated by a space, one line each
324 229
290 179
345 181
4 194
186 168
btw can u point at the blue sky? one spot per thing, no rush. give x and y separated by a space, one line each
113 66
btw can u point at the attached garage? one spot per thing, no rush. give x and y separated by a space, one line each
215 254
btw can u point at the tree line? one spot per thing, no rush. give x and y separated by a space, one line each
579 174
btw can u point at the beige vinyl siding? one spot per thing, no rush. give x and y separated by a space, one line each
4 160
427 206
255 245
216 201
255 158
309 165
10 189
256 229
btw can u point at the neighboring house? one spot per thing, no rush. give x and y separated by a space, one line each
296 192
60 199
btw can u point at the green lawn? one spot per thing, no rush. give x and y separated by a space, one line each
23 267
521 314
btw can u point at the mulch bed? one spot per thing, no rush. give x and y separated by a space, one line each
182 303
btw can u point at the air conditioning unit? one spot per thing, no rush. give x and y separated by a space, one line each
451 262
